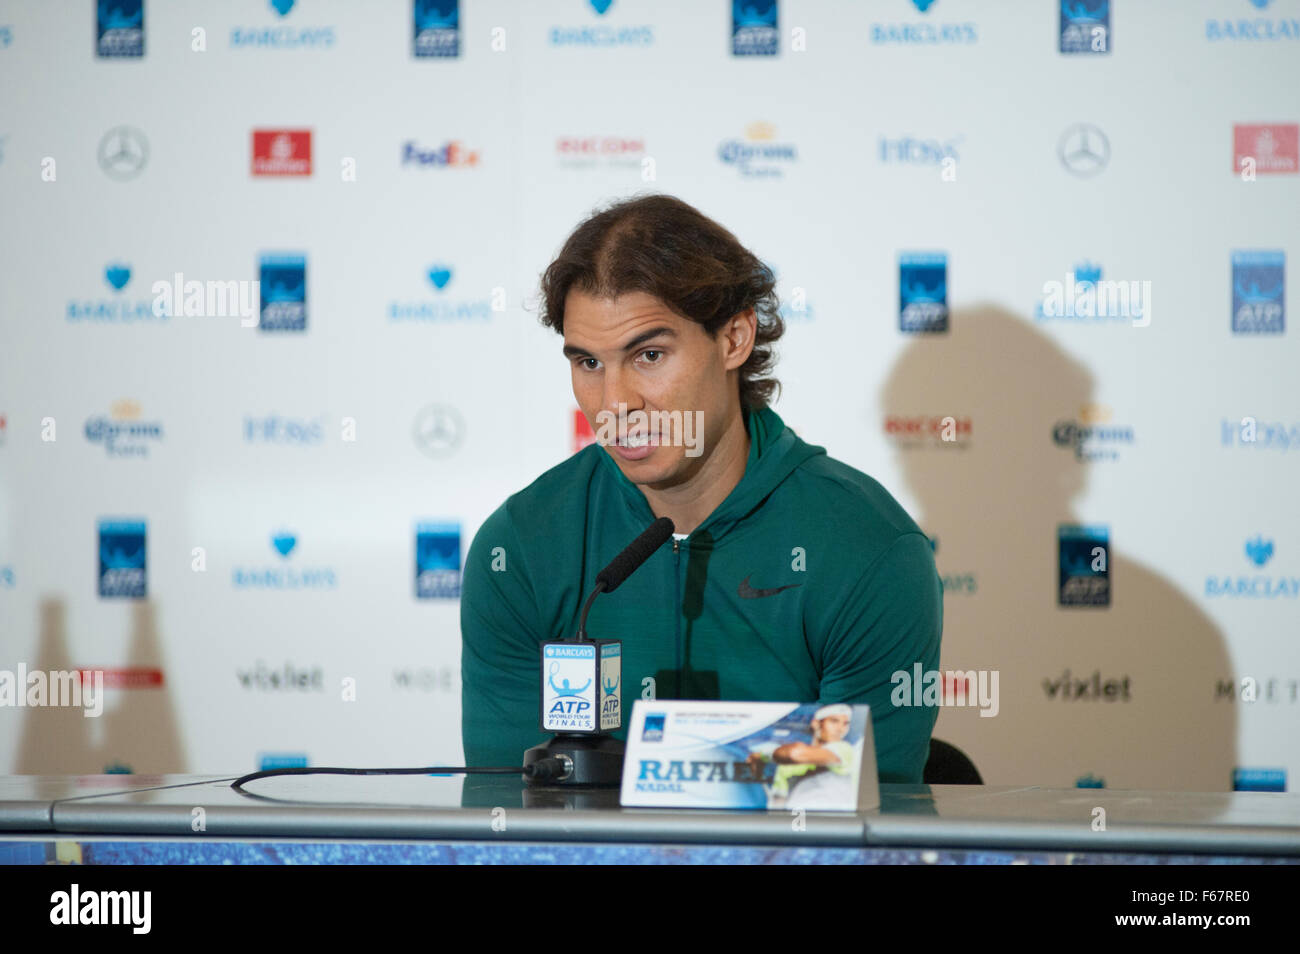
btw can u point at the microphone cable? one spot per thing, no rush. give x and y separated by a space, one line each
543 770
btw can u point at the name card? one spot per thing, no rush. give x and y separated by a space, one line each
755 755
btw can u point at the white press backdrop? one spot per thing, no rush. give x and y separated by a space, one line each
300 463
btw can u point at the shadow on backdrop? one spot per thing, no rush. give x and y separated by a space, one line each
993 504
137 728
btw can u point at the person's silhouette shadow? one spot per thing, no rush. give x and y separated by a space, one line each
993 503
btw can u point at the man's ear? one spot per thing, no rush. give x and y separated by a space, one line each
738 337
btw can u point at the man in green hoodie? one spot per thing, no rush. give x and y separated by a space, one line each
791 577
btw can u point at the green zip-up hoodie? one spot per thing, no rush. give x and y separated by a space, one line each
807 583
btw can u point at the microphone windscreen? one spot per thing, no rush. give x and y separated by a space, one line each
636 553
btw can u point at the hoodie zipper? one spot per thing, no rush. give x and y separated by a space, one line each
677 611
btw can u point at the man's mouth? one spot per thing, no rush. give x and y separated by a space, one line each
638 440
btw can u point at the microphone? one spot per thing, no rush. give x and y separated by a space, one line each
636 553
625 564
581 687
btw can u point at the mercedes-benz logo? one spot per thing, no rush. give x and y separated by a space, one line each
438 429
1084 149
123 152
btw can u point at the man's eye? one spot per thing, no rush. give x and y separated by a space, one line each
587 366
657 359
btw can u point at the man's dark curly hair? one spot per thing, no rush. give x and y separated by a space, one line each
660 245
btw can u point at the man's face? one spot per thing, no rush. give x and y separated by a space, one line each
632 350
831 728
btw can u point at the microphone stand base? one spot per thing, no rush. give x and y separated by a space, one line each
597 759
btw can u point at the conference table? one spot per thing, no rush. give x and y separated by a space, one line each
305 819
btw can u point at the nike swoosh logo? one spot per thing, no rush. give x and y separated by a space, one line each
747 592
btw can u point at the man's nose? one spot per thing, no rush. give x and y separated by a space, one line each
619 390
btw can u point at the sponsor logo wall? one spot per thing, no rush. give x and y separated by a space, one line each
269 362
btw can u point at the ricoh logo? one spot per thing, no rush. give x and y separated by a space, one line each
933 687
929 430
588 152
74 906
1085 296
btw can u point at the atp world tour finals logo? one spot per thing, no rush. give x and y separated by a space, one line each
435 28
283 293
923 292
753 28
119 28
1085 26
122 559
437 560
1084 558
1258 299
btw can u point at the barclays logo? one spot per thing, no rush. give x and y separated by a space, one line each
603 34
1259 552
282 37
441 308
286 575
924 32
1253 29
